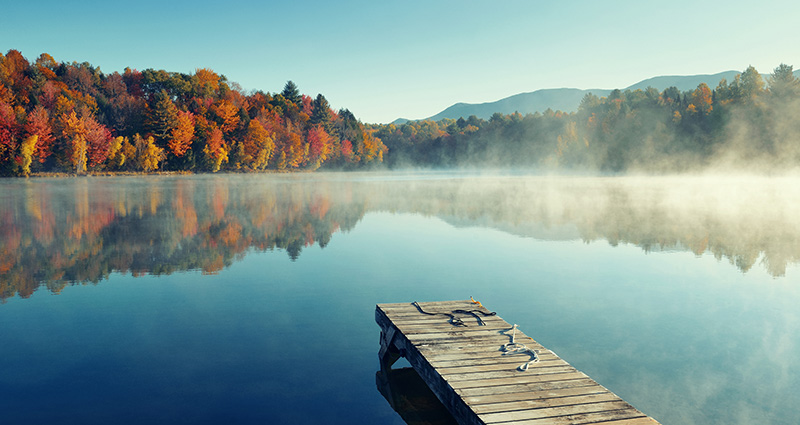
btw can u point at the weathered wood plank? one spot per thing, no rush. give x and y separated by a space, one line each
608 408
522 378
644 420
507 373
539 403
498 364
605 418
534 387
466 369
480 355
527 393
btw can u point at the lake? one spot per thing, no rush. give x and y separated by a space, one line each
250 298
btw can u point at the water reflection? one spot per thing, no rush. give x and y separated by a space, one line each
411 398
62 231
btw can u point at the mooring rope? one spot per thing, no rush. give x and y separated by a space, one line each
456 321
514 347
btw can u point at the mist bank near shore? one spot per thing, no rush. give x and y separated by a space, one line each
744 125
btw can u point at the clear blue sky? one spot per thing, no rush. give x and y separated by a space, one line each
384 60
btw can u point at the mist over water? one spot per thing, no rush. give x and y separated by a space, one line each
678 293
148 225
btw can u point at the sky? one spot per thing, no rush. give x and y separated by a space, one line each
385 60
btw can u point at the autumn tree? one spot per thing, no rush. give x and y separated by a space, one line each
147 155
38 124
701 100
180 139
320 144
258 146
294 150
227 115
98 142
27 148
74 133
9 133
14 73
216 151
117 154
347 150
205 83
372 148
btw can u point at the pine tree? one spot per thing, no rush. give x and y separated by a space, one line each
291 93
321 114
163 118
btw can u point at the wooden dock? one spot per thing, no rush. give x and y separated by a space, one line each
465 367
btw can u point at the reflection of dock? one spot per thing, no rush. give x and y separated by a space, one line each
466 369
411 398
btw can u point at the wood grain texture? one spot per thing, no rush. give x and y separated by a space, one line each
468 371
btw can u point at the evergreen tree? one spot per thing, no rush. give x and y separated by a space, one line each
163 118
291 93
321 114
783 84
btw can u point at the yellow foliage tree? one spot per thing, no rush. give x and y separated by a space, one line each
26 150
148 155
74 131
116 156
258 146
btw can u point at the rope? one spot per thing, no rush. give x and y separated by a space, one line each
513 347
456 321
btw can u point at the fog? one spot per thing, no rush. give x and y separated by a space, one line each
679 337
748 125
57 232
746 220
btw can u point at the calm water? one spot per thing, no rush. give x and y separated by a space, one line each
250 299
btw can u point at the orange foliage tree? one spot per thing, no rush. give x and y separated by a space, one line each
181 137
74 133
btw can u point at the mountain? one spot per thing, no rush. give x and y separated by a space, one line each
567 100
684 82
539 100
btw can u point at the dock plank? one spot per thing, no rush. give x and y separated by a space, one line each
466 368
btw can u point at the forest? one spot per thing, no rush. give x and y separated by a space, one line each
73 118
748 124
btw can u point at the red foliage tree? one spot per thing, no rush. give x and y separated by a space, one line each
320 146
39 125
98 141
9 131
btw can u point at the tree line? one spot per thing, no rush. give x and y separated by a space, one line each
747 123
71 117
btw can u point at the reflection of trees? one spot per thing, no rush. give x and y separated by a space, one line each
57 232
742 220
79 231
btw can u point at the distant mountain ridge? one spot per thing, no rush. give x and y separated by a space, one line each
568 99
